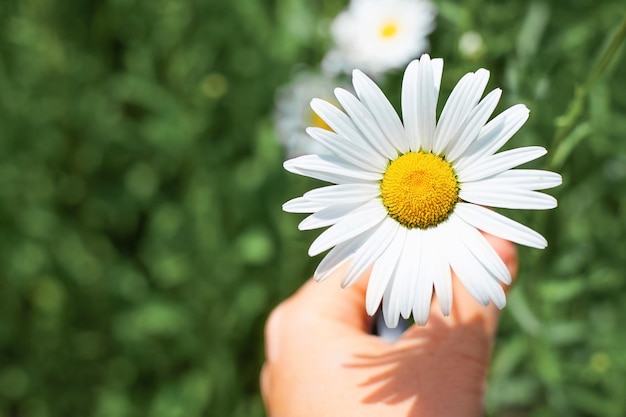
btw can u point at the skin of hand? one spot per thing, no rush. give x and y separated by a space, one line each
322 360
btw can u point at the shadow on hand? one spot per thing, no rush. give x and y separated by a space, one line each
442 367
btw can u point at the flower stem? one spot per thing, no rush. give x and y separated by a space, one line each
567 122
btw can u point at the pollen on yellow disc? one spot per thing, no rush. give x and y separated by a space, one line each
388 30
317 121
419 190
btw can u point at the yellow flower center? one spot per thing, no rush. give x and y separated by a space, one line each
388 30
316 121
419 190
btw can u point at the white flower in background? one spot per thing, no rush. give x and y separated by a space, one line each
293 114
471 44
379 35
409 198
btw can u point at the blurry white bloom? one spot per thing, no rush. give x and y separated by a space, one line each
293 113
410 195
471 44
379 35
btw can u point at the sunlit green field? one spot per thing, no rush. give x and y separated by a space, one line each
142 241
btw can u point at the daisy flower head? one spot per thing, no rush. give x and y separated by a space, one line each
379 35
409 196
292 114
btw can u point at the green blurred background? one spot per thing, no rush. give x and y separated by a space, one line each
142 243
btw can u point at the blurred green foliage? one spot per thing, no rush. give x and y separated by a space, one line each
142 243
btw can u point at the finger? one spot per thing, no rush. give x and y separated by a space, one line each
317 315
330 301
265 387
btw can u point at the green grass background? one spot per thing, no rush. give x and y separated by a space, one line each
142 243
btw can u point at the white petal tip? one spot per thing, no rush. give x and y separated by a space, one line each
421 321
484 302
392 324
340 92
371 308
291 205
348 280
314 251
321 277
560 180
316 101
445 307
290 165
482 72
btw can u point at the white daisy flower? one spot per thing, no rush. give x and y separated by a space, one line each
379 35
293 113
409 198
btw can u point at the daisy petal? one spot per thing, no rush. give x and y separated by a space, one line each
338 121
329 168
474 276
497 294
328 216
363 157
383 270
481 249
475 123
498 225
442 276
360 220
495 164
465 268
437 65
424 289
505 197
423 296
302 205
451 111
408 273
344 193
526 179
391 308
369 252
382 110
339 255
426 104
410 104
494 135
457 109
366 123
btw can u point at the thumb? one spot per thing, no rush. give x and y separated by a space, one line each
318 313
330 301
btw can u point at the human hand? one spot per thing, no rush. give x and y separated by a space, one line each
323 361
